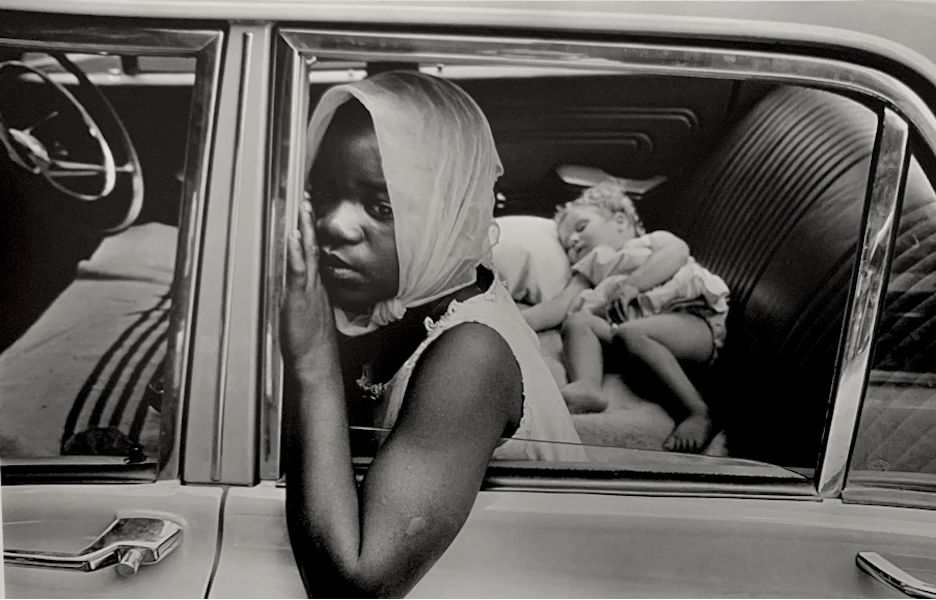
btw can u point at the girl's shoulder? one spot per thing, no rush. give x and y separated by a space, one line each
484 319
470 343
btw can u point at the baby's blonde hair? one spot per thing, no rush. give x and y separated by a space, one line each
609 198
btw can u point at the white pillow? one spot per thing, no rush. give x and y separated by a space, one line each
530 259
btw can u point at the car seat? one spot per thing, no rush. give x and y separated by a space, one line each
776 212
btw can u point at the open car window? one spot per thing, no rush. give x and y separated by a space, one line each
764 177
95 179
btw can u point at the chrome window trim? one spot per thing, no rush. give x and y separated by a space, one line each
194 191
882 496
119 39
287 112
80 470
898 99
891 159
205 46
635 486
628 58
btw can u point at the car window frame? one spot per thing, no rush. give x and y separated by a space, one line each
897 103
130 37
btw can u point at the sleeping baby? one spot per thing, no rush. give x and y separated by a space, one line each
638 299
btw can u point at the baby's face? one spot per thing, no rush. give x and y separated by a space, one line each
585 227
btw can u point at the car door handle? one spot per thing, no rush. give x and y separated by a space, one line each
891 575
127 543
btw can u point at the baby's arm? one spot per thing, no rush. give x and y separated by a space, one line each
668 254
551 313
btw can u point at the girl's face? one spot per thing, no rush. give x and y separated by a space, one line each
353 217
585 227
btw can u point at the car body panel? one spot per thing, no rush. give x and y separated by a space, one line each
526 544
66 518
222 415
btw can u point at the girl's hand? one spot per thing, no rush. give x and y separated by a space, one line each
307 325
621 308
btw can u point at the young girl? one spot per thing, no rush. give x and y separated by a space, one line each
641 298
392 319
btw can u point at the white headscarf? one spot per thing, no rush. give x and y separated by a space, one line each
440 165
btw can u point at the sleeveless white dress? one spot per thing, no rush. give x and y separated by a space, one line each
545 416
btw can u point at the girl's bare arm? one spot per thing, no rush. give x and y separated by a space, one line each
379 539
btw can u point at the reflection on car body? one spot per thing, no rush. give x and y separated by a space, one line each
140 373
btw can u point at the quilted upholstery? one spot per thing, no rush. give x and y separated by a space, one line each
907 333
776 212
897 431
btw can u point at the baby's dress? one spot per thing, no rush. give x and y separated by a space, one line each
545 416
693 288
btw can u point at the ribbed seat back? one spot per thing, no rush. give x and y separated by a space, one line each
776 212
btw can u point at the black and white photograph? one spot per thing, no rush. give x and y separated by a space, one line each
468 299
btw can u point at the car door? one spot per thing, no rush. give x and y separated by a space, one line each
640 523
108 130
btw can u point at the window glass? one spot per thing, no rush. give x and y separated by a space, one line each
766 185
91 179
896 439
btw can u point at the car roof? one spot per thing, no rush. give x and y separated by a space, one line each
900 30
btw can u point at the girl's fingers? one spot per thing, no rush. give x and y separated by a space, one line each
295 257
309 243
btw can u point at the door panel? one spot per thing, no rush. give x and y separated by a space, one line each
59 518
575 545
256 558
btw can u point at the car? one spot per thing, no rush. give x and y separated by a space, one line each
152 166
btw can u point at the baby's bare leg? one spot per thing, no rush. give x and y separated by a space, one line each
660 342
581 343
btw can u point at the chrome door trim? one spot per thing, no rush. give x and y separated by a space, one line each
891 159
205 46
898 99
287 118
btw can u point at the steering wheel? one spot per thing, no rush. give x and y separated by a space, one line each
82 149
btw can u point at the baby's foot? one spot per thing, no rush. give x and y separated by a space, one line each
583 397
690 435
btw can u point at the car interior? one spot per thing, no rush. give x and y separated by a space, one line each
766 183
